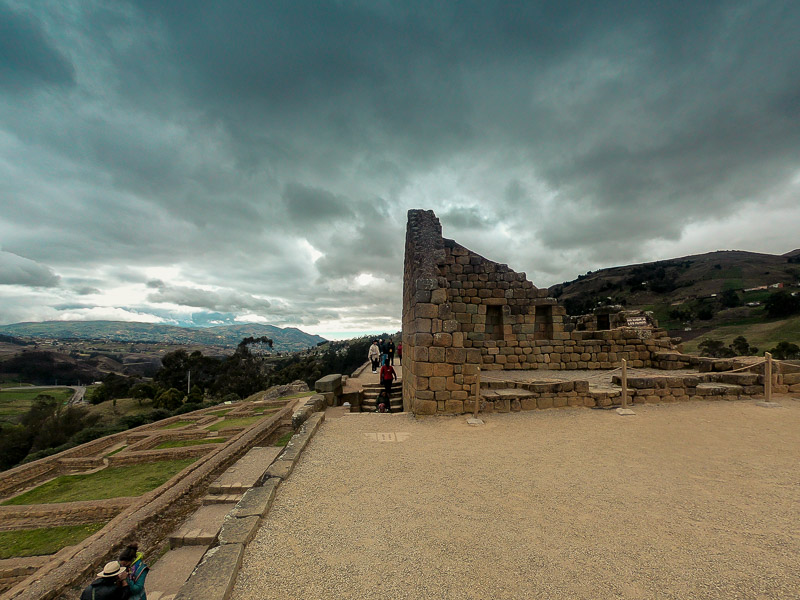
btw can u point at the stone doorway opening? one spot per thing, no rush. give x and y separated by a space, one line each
494 323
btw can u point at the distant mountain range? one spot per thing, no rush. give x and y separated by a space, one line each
289 339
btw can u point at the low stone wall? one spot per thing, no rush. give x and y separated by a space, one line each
149 456
80 464
65 513
26 475
505 396
168 436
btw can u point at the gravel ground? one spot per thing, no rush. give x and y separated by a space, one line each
696 500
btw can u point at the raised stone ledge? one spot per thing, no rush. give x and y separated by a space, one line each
214 577
34 516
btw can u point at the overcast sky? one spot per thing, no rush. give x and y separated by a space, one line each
197 162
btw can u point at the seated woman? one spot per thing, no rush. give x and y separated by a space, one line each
383 403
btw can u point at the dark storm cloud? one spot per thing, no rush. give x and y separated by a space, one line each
226 301
18 270
27 57
265 149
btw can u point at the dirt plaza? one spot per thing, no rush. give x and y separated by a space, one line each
682 500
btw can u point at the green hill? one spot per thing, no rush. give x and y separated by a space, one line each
695 296
285 340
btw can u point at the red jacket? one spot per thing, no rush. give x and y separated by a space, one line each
387 373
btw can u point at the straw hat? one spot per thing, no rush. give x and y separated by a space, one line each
112 569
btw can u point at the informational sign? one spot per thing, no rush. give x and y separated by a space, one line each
636 321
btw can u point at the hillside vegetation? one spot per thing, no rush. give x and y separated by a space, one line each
284 340
722 294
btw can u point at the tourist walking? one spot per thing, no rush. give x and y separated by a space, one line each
111 584
133 560
390 351
382 346
374 355
400 352
388 375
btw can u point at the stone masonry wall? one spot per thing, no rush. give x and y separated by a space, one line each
462 312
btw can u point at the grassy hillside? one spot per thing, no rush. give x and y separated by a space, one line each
764 335
696 297
285 340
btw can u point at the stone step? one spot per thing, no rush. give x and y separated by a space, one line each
202 527
505 394
221 499
171 571
246 472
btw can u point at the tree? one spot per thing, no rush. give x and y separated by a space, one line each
705 314
742 348
786 351
730 299
170 399
715 349
782 304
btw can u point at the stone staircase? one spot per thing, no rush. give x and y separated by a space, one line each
190 541
371 391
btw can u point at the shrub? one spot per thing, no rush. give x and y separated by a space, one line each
786 351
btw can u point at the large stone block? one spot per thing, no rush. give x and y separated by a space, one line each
437 384
442 339
329 383
442 370
436 354
439 296
424 407
426 311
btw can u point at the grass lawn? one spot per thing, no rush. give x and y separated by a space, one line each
184 443
114 482
124 407
14 403
177 424
264 410
219 413
238 422
763 335
48 540
284 439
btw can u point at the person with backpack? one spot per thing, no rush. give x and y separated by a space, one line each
133 560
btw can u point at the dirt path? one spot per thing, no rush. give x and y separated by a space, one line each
698 500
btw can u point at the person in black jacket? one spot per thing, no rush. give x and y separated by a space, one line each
390 351
111 584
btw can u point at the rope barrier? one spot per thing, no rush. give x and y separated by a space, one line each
746 367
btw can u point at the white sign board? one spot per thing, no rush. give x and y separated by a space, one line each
636 321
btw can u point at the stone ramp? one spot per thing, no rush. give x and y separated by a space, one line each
171 571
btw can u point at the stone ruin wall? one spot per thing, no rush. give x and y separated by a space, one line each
462 312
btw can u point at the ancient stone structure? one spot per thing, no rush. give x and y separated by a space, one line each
462 312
